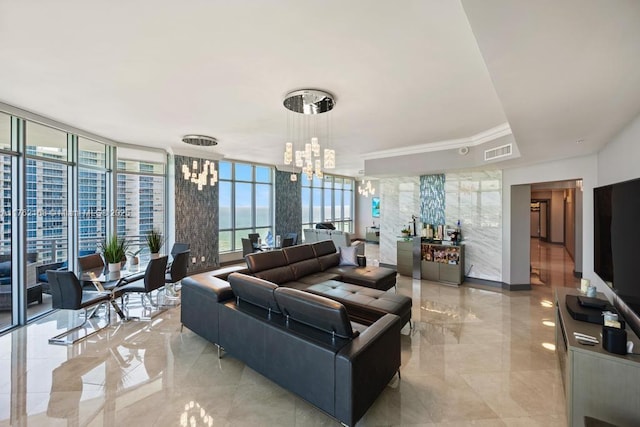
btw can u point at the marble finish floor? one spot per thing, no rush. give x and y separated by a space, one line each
475 357
551 265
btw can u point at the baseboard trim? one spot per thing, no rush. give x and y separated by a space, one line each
391 266
500 285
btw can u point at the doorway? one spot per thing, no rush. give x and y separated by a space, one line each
553 234
540 219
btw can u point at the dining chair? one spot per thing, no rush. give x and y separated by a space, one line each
89 262
178 248
287 241
255 241
175 250
67 294
153 279
177 272
247 247
293 236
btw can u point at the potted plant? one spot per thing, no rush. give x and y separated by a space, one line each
406 232
134 257
114 250
154 241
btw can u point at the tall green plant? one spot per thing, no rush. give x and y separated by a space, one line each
114 249
154 241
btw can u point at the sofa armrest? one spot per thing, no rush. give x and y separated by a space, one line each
201 296
365 366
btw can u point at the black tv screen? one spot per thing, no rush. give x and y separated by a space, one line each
617 239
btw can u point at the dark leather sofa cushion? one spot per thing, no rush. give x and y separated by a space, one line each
326 253
324 247
298 253
302 260
270 265
314 310
365 305
254 291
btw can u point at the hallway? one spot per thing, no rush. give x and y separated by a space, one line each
551 265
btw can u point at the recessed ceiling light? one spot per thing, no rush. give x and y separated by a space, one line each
580 141
201 140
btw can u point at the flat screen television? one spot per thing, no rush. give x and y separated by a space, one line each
617 239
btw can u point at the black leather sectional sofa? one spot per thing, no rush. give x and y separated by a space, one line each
307 344
326 332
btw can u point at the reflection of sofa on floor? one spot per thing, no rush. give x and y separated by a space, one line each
341 239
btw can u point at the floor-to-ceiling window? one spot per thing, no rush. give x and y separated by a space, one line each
47 208
7 156
245 203
140 197
92 195
58 192
46 201
327 199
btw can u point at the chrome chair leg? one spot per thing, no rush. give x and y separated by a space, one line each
62 339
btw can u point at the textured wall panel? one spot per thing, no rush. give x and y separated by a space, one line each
475 198
288 205
197 218
432 200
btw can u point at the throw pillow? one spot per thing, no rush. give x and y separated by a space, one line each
348 256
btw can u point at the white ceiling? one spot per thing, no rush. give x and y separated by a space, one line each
404 74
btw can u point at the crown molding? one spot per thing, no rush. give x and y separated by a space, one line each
471 141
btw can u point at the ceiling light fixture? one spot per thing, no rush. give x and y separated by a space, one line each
197 174
200 140
365 188
305 127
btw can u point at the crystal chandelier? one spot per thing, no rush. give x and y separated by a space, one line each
305 125
364 189
197 174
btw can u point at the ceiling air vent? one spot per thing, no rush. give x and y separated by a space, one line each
497 152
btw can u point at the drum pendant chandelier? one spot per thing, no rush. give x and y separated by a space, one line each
309 126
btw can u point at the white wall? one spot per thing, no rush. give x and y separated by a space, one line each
618 161
569 169
520 207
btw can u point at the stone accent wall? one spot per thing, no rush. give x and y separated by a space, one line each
288 209
196 217
475 198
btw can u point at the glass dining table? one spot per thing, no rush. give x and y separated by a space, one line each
107 281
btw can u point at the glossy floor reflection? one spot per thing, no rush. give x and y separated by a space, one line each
551 265
476 357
